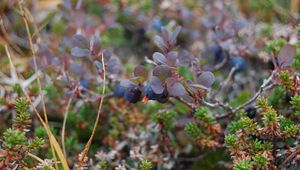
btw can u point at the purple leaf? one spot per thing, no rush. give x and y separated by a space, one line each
79 41
184 58
106 55
287 55
140 71
113 66
161 44
162 72
159 58
175 88
206 78
172 58
165 34
79 52
173 38
156 85
77 69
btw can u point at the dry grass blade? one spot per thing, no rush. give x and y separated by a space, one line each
25 19
49 133
35 157
65 121
295 6
87 146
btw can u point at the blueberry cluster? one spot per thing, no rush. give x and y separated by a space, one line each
234 61
151 95
134 93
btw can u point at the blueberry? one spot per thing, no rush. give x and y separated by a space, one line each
133 93
251 111
141 31
151 95
218 53
156 24
84 83
288 96
119 91
238 62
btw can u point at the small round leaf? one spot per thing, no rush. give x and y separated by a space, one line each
140 71
206 78
156 85
162 72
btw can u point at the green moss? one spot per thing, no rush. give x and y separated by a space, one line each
244 164
240 99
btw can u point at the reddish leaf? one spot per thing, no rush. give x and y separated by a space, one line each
140 71
287 55
95 45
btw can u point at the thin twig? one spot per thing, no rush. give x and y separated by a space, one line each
221 64
225 83
217 104
265 86
190 105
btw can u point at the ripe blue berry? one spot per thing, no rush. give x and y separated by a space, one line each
119 91
156 24
238 62
288 97
218 53
251 111
133 93
84 83
151 95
